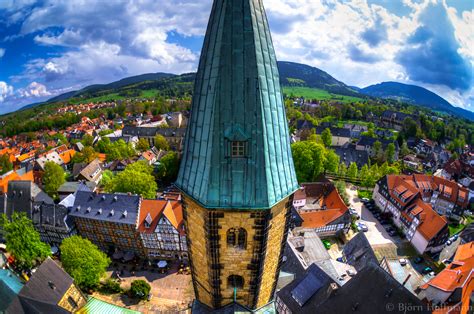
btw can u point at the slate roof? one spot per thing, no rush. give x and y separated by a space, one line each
44 290
467 235
370 291
171 132
53 215
113 207
130 130
22 195
237 97
358 252
304 124
350 154
312 287
369 141
339 132
72 187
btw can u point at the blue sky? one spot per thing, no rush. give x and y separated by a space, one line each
50 47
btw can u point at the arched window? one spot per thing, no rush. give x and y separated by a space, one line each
235 281
242 239
237 238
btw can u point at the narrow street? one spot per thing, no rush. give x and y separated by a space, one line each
377 235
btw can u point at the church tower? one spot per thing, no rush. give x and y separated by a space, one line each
237 174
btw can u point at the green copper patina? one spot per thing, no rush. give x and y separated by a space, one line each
237 151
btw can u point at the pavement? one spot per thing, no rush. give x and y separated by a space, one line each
171 292
377 235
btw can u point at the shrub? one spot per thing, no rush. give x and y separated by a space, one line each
140 289
111 286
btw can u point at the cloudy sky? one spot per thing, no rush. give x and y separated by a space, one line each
50 47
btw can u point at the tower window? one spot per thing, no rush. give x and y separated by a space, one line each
235 281
238 149
237 238
231 236
242 239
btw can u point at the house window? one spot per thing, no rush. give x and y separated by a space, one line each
238 149
235 281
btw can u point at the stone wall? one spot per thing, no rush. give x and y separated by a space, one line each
276 238
195 223
211 257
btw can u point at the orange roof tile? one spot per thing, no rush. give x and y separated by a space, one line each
455 275
464 251
431 223
320 218
174 213
154 208
67 155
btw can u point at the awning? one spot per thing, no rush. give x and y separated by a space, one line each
117 255
129 256
162 264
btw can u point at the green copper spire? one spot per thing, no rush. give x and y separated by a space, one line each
237 151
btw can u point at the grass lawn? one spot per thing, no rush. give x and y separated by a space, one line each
364 194
319 94
453 229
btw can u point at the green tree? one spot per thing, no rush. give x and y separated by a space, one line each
140 289
309 159
137 178
404 149
161 142
23 241
352 171
142 145
342 171
107 177
87 140
89 154
390 152
332 161
326 136
169 167
83 261
53 178
5 164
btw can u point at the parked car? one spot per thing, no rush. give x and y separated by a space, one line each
418 260
354 213
326 244
454 237
392 233
365 200
403 261
447 261
426 270
448 243
362 227
339 259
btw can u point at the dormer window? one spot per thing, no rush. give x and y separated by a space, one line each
238 149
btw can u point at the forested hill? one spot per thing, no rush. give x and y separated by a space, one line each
415 95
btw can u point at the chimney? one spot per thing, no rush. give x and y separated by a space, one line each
52 285
332 290
406 279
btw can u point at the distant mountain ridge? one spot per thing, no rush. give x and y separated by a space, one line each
291 75
296 74
415 95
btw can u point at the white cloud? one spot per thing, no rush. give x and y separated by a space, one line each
35 89
2 52
352 40
5 91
